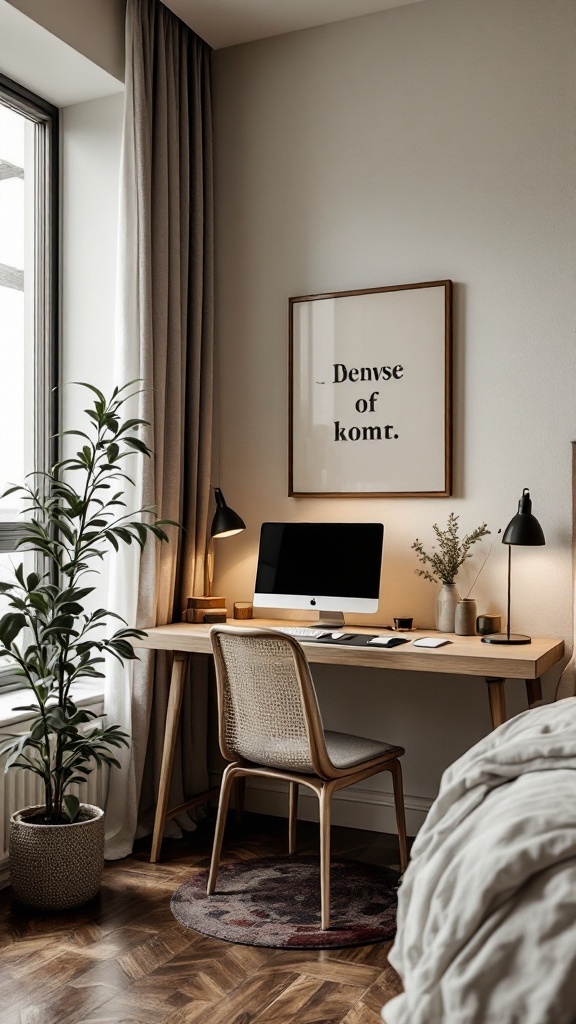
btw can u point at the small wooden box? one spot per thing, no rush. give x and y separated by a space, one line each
242 610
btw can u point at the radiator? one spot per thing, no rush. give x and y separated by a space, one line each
20 788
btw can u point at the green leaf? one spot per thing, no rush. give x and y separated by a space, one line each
110 536
11 625
74 594
71 806
138 444
56 719
124 534
83 384
32 581
123 648
78 433
133 424
39 602
158 533
71 608
37 730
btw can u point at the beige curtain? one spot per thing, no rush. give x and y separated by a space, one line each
165 337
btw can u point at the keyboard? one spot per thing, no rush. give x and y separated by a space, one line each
297 631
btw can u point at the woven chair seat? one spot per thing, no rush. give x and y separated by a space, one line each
345 750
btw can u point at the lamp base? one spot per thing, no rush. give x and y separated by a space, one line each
503 638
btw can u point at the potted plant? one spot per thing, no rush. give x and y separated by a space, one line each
444 562
72 516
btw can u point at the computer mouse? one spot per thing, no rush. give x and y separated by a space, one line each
431 641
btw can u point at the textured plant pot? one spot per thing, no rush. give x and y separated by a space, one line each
448 598
54 867
465 619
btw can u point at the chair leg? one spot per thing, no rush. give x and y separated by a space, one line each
325 798
292 816
239 797
396 769
225 790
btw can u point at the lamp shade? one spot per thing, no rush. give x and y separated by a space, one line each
524 528
226 521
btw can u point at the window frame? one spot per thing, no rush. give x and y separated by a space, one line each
46 291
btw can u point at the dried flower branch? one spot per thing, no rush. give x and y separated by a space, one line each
452 552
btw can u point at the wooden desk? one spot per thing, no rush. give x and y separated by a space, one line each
466 655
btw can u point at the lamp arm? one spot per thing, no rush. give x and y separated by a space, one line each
508 608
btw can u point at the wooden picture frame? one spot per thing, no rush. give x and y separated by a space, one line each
370 402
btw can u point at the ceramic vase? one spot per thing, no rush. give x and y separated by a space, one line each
465 618
448 599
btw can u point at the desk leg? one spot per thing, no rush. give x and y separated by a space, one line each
533 691
497 698
179 667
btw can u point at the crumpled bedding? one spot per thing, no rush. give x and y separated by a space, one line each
487 907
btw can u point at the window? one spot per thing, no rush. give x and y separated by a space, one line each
28 301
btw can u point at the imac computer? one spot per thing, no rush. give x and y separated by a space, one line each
330 568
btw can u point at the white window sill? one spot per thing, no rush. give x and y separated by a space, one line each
85 694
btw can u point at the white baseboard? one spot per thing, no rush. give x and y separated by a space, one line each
357 807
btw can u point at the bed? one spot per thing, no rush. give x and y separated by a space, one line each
487 907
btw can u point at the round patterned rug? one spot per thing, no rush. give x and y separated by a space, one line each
276 902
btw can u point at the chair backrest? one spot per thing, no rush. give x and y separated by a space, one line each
267 707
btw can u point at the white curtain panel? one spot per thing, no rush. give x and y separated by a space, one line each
165 340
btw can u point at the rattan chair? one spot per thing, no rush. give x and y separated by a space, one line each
270 725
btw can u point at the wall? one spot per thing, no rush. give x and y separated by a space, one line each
95 28
91 141
428 142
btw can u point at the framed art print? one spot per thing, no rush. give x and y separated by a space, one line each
370 392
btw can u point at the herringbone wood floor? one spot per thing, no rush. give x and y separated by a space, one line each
124 959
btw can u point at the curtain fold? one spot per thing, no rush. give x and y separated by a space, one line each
164 339
567 683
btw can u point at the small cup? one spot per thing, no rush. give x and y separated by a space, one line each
404 622
486 624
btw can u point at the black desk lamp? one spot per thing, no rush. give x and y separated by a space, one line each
523 529
226 523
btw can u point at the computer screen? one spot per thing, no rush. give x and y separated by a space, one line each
331 568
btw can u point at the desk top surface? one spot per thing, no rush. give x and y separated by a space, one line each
465 655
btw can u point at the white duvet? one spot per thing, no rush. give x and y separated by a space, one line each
487 907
